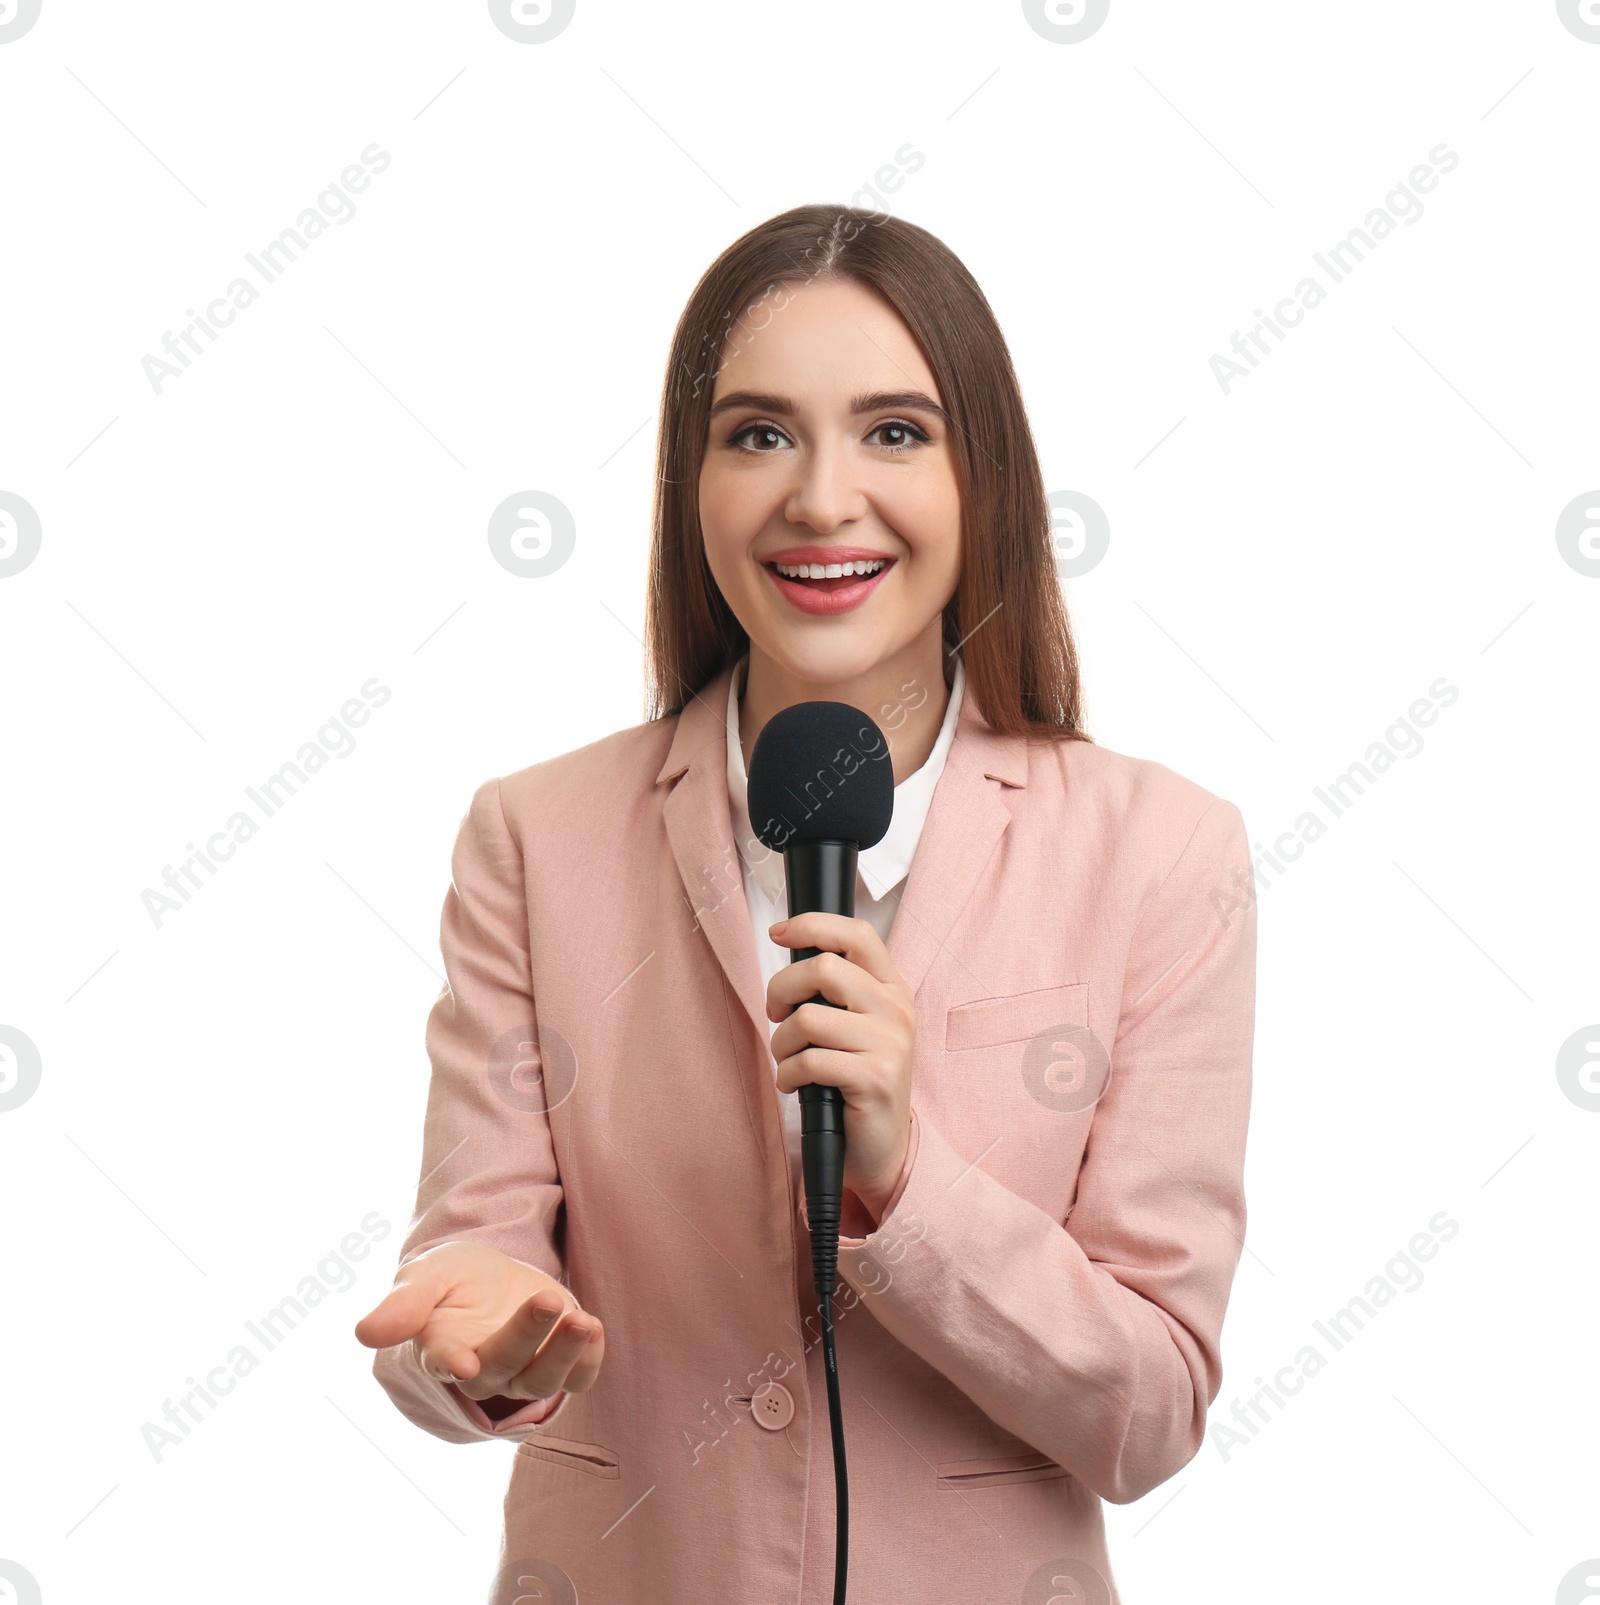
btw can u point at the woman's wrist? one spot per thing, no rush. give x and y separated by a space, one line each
870 1206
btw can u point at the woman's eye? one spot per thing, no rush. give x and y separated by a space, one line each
909 435
763 430
762 439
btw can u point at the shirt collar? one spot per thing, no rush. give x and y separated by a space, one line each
884 865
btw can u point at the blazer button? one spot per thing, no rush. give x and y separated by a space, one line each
772 1405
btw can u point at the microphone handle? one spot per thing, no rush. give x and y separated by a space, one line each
822 1165
822 880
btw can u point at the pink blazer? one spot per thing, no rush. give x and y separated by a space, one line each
1035 1324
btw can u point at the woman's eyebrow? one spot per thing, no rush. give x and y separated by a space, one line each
899 400
877 401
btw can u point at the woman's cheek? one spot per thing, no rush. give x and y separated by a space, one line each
719 530
927 516
729 514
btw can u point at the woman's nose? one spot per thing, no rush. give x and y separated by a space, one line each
826 494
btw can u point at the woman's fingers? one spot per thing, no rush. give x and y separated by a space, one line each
404 1310
855 1074
530 1356
570 1359
817 1025
832 1048
820 1068
512 1345
856 939
834 976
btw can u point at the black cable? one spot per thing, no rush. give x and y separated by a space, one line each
841 1483
822 1139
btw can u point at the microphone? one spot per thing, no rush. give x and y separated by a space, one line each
820 789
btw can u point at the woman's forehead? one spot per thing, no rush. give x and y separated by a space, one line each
822 346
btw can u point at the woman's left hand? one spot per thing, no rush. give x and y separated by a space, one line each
864 1048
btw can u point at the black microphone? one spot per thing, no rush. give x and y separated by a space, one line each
821 788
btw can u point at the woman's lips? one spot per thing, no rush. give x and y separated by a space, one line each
824 597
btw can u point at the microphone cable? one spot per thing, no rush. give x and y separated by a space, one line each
822 1156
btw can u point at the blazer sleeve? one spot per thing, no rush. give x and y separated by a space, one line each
488 1163
1097 1339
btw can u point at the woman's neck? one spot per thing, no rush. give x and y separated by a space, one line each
906 696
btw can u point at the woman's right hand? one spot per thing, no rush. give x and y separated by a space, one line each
497 1328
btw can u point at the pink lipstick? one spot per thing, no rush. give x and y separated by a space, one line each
821 593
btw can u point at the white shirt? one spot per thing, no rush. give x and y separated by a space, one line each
880 869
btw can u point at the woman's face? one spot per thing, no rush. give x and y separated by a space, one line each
827 445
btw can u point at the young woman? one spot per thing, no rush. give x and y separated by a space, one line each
1043 1040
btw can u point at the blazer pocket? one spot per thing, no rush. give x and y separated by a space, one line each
963 1475
990 1022
592 1458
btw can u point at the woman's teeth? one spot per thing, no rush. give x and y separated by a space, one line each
827 571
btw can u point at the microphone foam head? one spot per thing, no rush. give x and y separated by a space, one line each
820 771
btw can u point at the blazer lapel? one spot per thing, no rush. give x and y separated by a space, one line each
966 819
700 830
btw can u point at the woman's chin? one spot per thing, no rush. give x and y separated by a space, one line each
822 656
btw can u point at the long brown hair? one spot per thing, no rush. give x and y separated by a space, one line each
1007 613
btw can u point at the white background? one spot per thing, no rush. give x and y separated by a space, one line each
1292 564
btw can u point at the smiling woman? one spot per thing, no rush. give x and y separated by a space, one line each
864 409
837 464
1039 1023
